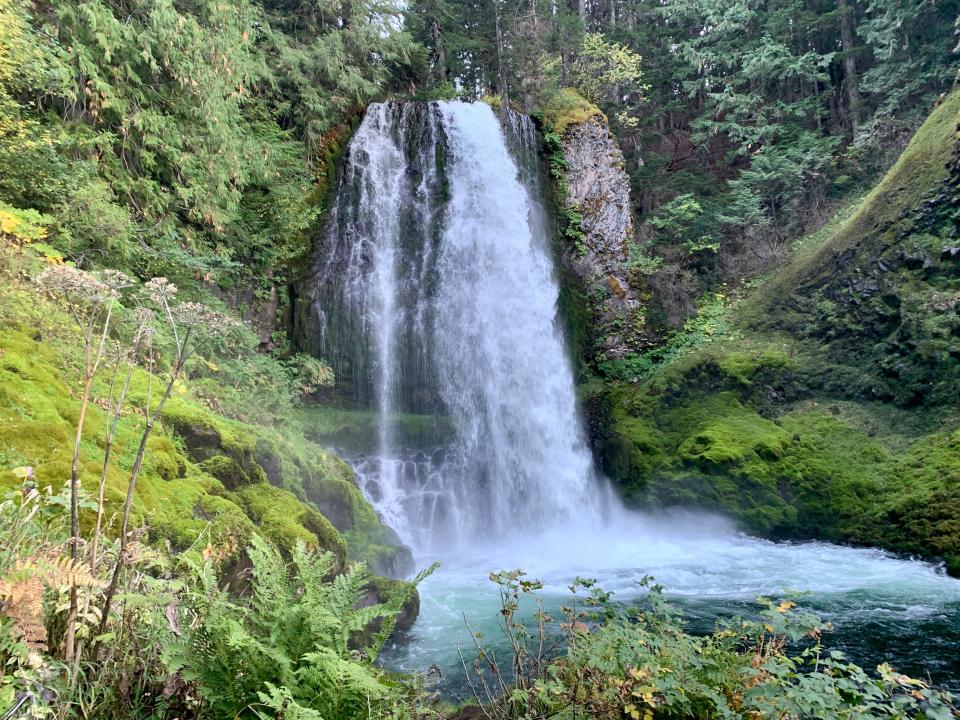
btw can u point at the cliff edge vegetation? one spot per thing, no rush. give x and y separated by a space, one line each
820 400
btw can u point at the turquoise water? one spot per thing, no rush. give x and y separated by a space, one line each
883 608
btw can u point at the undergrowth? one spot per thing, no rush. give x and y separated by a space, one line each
617 660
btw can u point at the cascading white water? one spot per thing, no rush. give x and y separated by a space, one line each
503 370
452 291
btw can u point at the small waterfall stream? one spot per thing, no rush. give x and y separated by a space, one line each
435 300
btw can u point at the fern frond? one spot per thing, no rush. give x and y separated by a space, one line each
271 578
23 586
313 567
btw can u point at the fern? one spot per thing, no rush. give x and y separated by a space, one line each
287 647
282 704
22 589
395 603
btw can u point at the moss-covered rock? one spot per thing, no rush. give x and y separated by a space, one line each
240 455
567 107
367 537
203 474
804 472
282 518
880 295
921 512
384 590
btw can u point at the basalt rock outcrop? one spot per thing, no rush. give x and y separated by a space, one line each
882 296
828 408
598 191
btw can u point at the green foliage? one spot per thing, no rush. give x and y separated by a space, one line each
237 380
607 69
23 226
326 58
183 139
897 231
186 644
682 221
32 167
711 323
91 221
904 70
181 493
566 107
287 647
636 661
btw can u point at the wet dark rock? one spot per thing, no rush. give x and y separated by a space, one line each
381 590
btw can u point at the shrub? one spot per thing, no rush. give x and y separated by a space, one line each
637 662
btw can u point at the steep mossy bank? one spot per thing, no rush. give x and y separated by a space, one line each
822 402
206 480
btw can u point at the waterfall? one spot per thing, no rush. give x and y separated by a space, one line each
435 299
435 295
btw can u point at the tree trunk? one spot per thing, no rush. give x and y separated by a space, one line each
439 53
851 81
501 68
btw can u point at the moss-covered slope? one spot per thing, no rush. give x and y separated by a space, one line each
826 404
206 479
881 294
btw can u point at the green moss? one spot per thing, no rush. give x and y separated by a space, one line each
919 170
704 433
194 458
574 308
567 107
921 511
744 366
285 520
876 299
734 439
231 473
827 409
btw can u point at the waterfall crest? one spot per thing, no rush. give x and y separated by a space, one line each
435 293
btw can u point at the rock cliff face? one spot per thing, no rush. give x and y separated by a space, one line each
598 189
882 296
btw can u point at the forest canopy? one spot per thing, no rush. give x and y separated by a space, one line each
196 139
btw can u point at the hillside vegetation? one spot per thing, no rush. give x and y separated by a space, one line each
175 541
820 402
